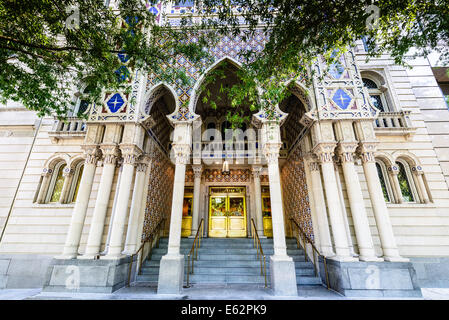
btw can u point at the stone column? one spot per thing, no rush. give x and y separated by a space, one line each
68 176
197 171
79 211
111 154
418 176
325 152
130 153
258 199
171 275
387 239
320 209
131 245
356 202
393 171
46 177
282 267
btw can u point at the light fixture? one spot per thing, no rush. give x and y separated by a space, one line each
225 169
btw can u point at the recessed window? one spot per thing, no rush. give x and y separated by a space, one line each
56 183
376 95
404 178
383 182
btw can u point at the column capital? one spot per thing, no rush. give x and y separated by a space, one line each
92 152
130 153
314 166
256 170
181 153
67 172
141 166
417 170
271 151
46 172
366 150
325 151
393 169
346 151
197 170
111 153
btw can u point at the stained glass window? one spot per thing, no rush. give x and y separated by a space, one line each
376 96
404 184
78 181
370 84
382 182
59 182
377 102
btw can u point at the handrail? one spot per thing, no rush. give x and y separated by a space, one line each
149 239
260 254
193 253
315 251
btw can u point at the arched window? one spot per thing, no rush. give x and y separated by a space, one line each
405 179
56 183
384 181
82 104
76 182
377 97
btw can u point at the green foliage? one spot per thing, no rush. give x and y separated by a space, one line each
42 60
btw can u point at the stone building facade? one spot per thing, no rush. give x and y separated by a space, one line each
359 160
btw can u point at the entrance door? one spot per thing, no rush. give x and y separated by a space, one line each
227 212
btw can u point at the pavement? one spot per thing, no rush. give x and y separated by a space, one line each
203 292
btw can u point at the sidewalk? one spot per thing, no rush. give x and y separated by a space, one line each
199 292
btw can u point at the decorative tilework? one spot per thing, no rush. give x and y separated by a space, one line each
295 192
160 190
215 175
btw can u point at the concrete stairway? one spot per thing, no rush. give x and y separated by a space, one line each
231 260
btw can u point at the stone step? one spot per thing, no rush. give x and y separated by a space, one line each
230 260
254 270
224 279
227 257
227 263
229 250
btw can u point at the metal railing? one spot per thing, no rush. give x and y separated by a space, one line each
305 239
193 253
260 254
155 235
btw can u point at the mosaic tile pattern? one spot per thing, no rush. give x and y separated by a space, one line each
215 175
230 47
160 190
295 193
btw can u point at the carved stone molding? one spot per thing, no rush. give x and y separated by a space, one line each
93 153
141 167
271 152
130 153
181 153
417 170
67 172
197 171
46 172
346 151
256 170
314 166
111 153
325 151
394 170
366 151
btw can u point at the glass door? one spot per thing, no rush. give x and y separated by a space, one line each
236 217
227 212
266 212
218 219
